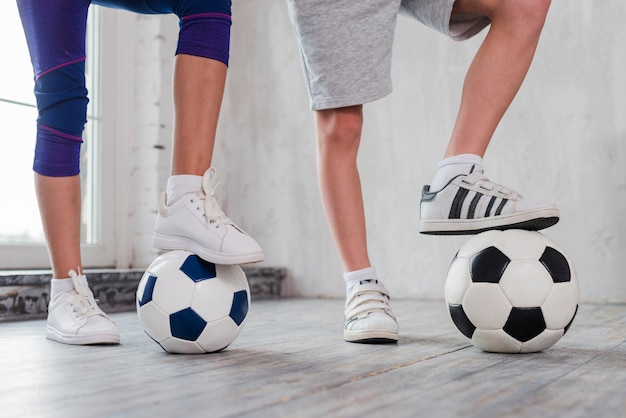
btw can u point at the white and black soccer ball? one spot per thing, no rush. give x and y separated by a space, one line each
512 291
188 305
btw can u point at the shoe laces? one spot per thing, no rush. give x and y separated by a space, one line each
482 183
83 300
212 210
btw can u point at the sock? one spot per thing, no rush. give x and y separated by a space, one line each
450 167
178 186
353 278
58 286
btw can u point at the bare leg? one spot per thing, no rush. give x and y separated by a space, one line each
498 69
338 139
198 91
59 207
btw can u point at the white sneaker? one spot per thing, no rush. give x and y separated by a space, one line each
197 224
75 318
470 204
368 316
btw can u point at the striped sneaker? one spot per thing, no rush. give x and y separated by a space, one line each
470 204
368 316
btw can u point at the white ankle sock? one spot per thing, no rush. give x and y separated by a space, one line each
353 278
58 286
178 186
450 167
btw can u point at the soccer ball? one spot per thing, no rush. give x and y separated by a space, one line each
188 305
512 291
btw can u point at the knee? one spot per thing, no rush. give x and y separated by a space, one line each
62 104
527 14
339 130
534 11
62 99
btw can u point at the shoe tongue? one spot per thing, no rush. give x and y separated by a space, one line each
368 281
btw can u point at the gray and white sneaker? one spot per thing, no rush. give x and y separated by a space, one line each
75 318
196 223
470 204
368 315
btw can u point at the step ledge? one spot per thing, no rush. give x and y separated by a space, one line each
24 294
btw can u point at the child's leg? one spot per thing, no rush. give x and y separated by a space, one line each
347 60
498 69
189 216
338 139
56 40
368 317
198 90
58 56
199 74
59 201
460 199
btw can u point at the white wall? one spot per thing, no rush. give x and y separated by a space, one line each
564 138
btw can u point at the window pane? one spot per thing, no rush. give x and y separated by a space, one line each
19 218
16 83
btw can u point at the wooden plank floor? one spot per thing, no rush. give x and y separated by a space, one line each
291 361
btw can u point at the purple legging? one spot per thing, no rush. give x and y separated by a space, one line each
55 34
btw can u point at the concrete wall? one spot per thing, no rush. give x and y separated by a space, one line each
564 139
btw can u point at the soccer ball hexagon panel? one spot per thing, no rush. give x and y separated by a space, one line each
188 305
512 291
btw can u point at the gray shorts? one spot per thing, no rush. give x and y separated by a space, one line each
346 45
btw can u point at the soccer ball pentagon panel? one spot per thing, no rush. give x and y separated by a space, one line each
512 291
188 305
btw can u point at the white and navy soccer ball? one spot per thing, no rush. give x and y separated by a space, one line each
512 291
188 305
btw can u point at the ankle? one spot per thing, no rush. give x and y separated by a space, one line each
181 185
451 167
60 286
353 278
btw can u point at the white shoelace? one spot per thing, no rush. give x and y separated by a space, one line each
212 210
83 300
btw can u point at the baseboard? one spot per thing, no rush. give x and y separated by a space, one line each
25 295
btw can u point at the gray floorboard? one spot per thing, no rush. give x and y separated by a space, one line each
290 361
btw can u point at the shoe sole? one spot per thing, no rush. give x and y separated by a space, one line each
169 243
55 335
533 221
371 337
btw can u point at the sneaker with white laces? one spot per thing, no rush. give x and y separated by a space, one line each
368 316
197 224
470 204
75 318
